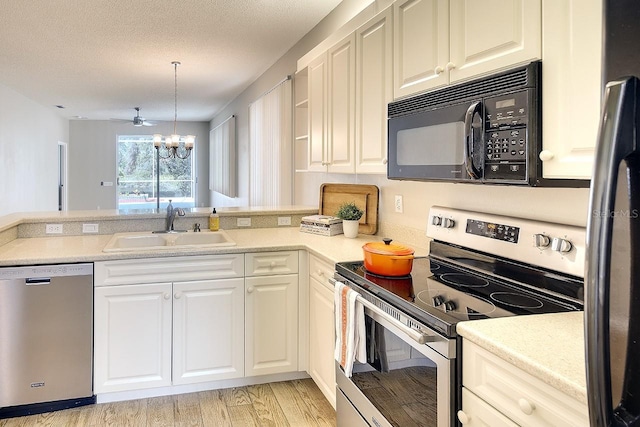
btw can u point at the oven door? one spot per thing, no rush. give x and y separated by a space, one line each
404 383
442 144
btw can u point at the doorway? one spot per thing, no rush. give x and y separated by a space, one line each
63 176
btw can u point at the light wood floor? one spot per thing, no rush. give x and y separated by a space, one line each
295 403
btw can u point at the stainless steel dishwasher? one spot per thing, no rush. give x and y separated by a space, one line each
46 338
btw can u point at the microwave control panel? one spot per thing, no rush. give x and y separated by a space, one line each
506 118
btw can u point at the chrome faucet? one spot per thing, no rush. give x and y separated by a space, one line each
171 215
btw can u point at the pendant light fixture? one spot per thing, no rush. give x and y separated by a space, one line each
170 146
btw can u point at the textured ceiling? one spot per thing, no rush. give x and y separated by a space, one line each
101 58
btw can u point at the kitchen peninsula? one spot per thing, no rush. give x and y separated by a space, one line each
264 251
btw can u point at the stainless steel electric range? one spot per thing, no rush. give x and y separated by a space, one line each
479 266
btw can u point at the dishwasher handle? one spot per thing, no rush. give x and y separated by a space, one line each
36 281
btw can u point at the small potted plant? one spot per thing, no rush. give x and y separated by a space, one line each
350 215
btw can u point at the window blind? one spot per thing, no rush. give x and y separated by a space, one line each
270 145
222 158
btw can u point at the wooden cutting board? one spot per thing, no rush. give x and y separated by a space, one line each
364 196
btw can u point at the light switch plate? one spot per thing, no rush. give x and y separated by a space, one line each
244 222
89 228
284 220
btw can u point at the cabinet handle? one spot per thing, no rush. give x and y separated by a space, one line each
463 418
177 295
546 155
439 70
167 295
450 66
385 161
272 265
250 289
526 406
320 273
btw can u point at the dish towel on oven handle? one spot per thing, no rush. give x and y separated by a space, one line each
350 328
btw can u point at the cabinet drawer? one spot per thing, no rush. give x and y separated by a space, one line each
516 393
477 413
170 269
321 271
269 263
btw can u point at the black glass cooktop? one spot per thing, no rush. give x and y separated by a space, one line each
441 294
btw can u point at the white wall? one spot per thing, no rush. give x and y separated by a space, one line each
562 205
282 67
93 152
29 135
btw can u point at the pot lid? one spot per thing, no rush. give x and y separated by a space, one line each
386 248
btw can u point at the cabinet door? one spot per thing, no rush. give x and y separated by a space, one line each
571 90
132 337
317 104
341 106
208 330
271 324
322 339
421 45
374 90
487 35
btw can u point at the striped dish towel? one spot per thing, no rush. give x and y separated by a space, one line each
350 328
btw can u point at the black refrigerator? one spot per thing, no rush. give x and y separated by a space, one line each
612 300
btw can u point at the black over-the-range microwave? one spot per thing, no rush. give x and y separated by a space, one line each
485 131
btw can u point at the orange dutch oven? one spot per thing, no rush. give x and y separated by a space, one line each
387 259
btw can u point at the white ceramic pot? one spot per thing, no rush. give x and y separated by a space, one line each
350 228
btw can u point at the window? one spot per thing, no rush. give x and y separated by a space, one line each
138 176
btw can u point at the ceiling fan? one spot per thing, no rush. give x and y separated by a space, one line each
137 120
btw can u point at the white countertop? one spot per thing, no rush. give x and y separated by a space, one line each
64 249
548 346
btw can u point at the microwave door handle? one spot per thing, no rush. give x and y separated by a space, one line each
616 141
473 109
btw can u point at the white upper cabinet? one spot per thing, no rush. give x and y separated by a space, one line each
340 109
439 41
421 45
374 90
487 35
571 90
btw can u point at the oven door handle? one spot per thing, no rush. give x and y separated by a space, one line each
416 335
379 314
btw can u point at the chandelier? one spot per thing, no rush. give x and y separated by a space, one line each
170 146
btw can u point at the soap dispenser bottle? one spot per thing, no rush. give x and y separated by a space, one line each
214 221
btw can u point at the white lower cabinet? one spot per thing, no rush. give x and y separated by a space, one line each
497 393
132 343
168 333
184 320
271 314
208 330
478 413
322 328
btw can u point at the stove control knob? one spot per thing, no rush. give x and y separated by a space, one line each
449 306
448 223
436 220
561 245
437 300
541 240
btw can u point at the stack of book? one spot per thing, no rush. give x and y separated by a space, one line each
321 224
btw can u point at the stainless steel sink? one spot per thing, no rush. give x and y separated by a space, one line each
149 241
